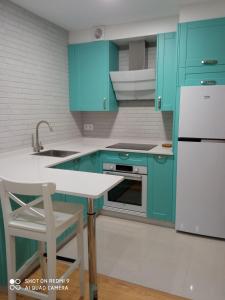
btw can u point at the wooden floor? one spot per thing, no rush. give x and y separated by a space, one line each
109 289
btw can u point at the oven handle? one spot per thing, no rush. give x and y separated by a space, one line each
125 175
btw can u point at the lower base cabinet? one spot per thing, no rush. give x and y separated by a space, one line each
160 203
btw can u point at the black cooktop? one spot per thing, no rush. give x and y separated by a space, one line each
145 147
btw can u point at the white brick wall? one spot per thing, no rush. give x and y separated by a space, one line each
33 79
34 86
135 119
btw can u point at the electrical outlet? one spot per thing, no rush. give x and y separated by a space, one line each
91 127
88 127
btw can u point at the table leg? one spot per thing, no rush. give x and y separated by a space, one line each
93 289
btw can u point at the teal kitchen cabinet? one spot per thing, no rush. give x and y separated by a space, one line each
90 86
202 44
166 72
201 53
160 204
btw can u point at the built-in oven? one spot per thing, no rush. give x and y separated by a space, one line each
129 196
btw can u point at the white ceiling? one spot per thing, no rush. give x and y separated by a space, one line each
82 14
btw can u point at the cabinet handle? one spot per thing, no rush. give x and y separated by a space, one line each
104 103
161 158
124 155
208 82
159 102
209 62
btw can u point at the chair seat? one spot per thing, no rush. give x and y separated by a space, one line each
64 213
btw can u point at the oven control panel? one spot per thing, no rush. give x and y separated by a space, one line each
125 168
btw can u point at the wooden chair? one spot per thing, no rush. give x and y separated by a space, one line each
43 220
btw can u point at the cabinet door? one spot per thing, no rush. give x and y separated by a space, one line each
89 80
166 72
202 44
160 188
3 268
88 163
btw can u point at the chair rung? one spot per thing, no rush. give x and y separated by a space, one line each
70 270
63 258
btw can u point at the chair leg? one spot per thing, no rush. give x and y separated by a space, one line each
43 265
51 266
80 248
11 264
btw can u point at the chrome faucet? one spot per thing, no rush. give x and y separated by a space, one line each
38 146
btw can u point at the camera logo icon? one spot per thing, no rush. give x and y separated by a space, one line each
15 284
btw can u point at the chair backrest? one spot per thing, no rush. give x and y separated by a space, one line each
9 192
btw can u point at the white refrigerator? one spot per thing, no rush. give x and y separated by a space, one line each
200 204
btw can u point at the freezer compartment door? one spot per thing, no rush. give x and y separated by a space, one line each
200 205
202 112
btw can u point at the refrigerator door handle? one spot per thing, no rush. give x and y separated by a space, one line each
213 141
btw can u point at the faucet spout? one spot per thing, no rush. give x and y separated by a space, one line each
38 145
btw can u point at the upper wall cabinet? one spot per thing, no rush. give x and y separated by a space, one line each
166 72
202 52
90 86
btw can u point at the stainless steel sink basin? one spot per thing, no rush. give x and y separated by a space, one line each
55 153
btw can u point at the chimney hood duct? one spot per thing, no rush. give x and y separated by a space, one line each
138 55
139 82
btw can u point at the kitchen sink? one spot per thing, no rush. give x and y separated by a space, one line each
55 153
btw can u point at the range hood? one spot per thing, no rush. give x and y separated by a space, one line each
139 82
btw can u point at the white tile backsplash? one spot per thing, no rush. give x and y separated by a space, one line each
133 120
33 79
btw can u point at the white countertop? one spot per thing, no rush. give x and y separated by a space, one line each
21 166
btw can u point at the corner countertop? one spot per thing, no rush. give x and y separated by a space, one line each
22 166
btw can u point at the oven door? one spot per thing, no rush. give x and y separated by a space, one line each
130 194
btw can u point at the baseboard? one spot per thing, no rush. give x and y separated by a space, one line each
119 215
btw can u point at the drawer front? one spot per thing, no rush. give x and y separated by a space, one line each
188 79
121 157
